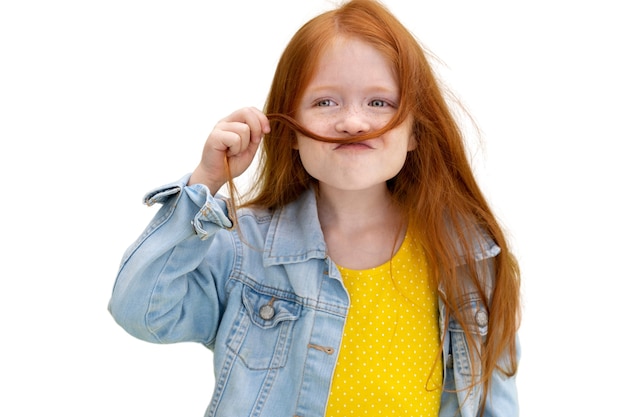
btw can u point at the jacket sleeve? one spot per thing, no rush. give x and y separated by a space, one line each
502 399
462 398
168 287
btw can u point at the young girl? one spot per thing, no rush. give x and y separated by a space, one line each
366 274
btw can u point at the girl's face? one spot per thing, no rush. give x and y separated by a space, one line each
353 92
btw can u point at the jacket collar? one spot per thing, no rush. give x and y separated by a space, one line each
295 234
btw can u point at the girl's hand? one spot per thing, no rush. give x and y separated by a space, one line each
236 137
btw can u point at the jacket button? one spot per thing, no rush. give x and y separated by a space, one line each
482 319
267 312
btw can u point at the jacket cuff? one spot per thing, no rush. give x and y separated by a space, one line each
213 211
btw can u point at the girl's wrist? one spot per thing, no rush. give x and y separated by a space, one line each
201 178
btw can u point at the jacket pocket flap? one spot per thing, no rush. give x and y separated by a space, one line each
475 313
267 311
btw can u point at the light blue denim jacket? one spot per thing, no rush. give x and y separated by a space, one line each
268 301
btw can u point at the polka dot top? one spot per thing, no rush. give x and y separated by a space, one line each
390 342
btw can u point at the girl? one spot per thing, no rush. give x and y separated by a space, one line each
366 273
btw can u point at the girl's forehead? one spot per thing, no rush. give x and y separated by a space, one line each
351 59
346 50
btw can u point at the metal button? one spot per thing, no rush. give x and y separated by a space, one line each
482 319
267 312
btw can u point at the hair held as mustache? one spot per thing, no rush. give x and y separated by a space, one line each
294 125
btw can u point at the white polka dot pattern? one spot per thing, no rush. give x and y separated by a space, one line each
390 342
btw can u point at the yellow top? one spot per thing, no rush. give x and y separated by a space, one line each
390 342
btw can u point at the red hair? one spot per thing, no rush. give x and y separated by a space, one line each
436 187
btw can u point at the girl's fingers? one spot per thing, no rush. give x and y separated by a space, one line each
237 137
256 122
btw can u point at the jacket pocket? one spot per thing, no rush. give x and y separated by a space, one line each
261 336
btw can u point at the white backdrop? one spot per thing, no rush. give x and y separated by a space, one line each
101 101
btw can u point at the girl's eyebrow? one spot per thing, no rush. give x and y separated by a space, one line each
373 89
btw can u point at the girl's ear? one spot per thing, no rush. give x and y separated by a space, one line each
412 142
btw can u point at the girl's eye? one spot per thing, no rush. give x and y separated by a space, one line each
324 103
378 103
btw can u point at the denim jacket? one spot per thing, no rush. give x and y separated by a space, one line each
268 301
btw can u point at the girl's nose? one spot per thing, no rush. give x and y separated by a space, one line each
352 122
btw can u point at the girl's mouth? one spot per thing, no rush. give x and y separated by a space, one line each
353 146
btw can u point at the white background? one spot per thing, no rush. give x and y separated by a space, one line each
102 100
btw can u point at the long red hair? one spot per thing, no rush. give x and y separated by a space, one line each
436 187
